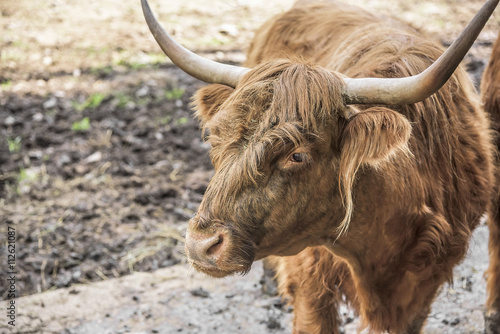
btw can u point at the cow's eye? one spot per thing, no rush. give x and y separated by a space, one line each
297 157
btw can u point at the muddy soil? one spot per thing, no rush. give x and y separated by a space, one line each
101 161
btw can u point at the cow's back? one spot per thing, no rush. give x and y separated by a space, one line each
311 29
337 36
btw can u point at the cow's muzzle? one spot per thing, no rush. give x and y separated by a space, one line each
218 251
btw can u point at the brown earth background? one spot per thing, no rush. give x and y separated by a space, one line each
102 165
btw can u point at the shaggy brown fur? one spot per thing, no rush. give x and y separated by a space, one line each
490 91
370 205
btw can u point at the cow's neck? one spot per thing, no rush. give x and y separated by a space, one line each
384 283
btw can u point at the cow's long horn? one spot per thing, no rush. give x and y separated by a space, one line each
419 87
194 65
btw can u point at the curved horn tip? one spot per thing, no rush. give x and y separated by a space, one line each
419 87
199 67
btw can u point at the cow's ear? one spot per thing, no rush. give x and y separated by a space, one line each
208 100
373 135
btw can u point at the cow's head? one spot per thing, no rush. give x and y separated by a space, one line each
280 141
286 145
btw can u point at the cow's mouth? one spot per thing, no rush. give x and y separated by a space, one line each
218 272
217 256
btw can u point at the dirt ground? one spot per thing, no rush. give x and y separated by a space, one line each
101 163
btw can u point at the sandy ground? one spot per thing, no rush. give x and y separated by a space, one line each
176 299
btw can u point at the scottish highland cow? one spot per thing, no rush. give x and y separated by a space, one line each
352 157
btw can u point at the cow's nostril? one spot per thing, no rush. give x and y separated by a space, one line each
205 249
216 247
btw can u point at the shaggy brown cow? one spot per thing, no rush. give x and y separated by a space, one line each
490 91
368 189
